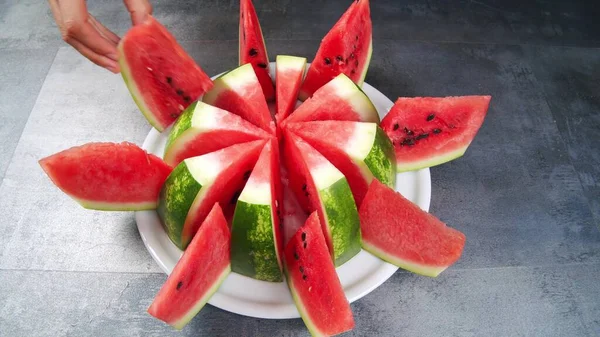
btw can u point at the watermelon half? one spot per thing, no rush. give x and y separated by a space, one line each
288 78
203 128
238 91
361 151
314 283
253 49
197 275
341 100
198 182
108 176
399 232
346 49
161 77
256 240
320 186
429 131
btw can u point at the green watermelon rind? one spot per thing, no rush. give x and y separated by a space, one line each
253 251
381 159
183 321
431 161
431 271
367 62
181 125
110 206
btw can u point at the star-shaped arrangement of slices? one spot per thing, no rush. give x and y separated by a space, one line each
249 155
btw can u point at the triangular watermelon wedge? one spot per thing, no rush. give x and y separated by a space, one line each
197 275
399 232
161 77
108 176
198 182
340 100
203 128
288 78
346 49
253 49
361 151
238 91
314 283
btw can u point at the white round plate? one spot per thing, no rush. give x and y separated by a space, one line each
249 297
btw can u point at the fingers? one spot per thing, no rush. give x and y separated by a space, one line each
105 32
99 60
138 9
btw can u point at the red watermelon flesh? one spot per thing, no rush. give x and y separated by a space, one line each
288 75
428 131
399 232
162 78
314 283
108 176
253 49
227 185
197 275
346 49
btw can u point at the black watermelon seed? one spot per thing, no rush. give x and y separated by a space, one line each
422 136
408 141
296 256
339 58
430 117
396 126
247 175
436 131
305 245
356 37
187 98
353 71
235 196
303 236
354 46
169 80
262 65
408 132
174 115
304 187
179 285
356 63
179 92
304 277
253 52
301 269
306 194
352 56
327 61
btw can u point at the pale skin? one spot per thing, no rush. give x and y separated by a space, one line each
89 37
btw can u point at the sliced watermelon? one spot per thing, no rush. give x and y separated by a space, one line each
429 131
198 273
108 176
161 77
203 128
339 100
239 92
346 49
361 151
321 187
288 78
314 283
256 240
399 232
198 182
253 49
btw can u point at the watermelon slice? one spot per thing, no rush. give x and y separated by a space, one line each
161 77
361 151
198 273
429 131
108 176
346 49
321 187
256 240
288 77
314 283
203 128
399 232
198 182
339 100
253 49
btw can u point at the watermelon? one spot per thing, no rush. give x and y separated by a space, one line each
108 176
161 77
253 49
361 151
429 131
399 232
198 273
289 73
238 91
198 182
314 283
341 100
321 187
346 49
256 240
203 128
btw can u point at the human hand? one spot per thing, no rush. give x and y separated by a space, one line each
88 36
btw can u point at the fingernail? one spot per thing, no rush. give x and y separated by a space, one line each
113 67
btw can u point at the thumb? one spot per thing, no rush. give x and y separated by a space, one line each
138 9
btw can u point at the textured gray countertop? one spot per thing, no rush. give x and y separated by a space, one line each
526 194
